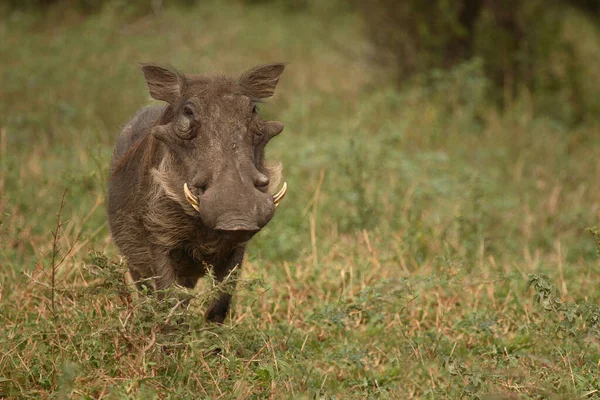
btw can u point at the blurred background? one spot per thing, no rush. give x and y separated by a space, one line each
450 145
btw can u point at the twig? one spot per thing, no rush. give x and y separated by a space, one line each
2 157
314 204
56 235
55 250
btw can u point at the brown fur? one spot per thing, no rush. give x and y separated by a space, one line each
209 136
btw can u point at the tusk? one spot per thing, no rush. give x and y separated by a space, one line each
193 200
279 195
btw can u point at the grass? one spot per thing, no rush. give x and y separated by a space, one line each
428 247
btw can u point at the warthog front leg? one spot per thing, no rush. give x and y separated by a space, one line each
163 270
228 271
187 269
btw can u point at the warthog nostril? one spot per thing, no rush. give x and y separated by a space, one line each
201 189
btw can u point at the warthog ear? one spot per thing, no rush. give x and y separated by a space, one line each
260 81
163 84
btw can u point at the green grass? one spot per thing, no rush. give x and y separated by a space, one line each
428 247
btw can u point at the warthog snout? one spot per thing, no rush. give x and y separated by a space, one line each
248 210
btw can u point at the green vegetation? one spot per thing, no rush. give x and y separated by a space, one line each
522 45
429 246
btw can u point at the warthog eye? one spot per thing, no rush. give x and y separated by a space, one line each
188 112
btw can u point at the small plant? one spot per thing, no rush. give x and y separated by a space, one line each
360 177
596 234
571 318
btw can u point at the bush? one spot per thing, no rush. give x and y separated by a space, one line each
136 7
521 45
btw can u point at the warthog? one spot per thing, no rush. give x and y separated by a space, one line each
189 185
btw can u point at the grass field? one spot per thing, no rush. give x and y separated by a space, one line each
429 246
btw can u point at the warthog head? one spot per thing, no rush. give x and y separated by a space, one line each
216 140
